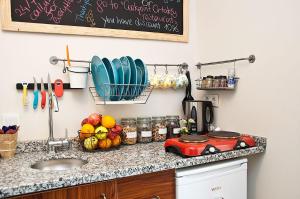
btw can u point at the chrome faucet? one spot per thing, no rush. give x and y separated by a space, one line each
53 144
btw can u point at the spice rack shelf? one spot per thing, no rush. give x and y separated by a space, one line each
232 79
213 89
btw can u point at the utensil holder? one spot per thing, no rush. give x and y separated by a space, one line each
78 76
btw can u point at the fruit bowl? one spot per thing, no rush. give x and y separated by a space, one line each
90 143
99 133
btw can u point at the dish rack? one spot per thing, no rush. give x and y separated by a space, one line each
114 94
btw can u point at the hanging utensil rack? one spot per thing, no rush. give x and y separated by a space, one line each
251 59
30 86
113 90
54 60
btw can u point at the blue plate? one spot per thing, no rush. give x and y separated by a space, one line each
100 77
127 75
121 74
113 76
145 79
138 89
133 80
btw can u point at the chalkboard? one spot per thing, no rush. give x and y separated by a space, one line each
146 19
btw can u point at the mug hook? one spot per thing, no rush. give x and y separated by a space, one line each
166 69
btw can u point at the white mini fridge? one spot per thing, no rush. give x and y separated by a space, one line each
226 180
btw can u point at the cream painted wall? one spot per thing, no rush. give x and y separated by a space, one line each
26 54
267 102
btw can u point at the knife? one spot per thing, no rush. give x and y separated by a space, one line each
52 95
43 94
35 95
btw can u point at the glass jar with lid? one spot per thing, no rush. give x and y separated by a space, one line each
209 81
129 135
204 82
173 126
144 129
216 82
223 82
159 129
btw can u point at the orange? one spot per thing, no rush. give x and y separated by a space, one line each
105 144
87 128
117 141
108 121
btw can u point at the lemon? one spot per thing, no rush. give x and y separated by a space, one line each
108 121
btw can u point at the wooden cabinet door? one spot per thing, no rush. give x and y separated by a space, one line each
103 190
160 185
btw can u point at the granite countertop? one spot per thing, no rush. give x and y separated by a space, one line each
17 178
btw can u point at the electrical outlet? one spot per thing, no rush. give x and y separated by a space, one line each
213 98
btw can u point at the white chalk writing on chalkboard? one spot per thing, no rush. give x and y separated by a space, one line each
140 15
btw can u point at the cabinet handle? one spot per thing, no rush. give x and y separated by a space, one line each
156 197
103 196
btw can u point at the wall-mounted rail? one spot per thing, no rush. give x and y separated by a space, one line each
54 60
251 59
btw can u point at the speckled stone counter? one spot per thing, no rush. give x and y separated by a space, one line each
17 178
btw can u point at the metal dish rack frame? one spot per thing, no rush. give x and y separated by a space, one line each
136 94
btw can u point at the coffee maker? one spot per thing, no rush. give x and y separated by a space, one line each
202 113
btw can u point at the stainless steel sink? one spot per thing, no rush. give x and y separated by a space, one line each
59 164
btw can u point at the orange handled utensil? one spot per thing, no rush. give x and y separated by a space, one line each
68 56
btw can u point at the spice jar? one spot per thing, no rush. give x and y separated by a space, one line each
209 81
144 129
204 82
159 129
173 126
129 135
216 82
223 82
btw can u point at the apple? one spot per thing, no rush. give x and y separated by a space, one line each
111 135
94 119
85 121
114 130
91 143
117 129
101 136
101 129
